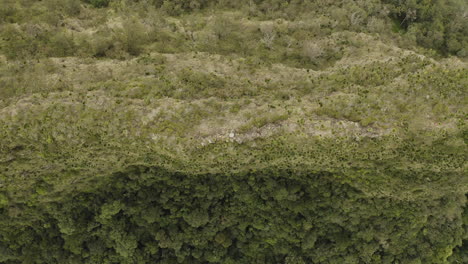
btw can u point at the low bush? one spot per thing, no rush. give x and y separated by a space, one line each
98 3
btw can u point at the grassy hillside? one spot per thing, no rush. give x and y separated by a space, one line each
233 132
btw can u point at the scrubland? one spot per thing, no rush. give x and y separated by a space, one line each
259 131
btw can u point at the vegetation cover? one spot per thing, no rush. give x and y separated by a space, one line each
212 131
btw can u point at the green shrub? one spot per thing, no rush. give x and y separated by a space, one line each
177 7
437 24
132 37
68 7
19 44
61 44
98 3
9 11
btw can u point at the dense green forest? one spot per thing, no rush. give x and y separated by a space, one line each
218 131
